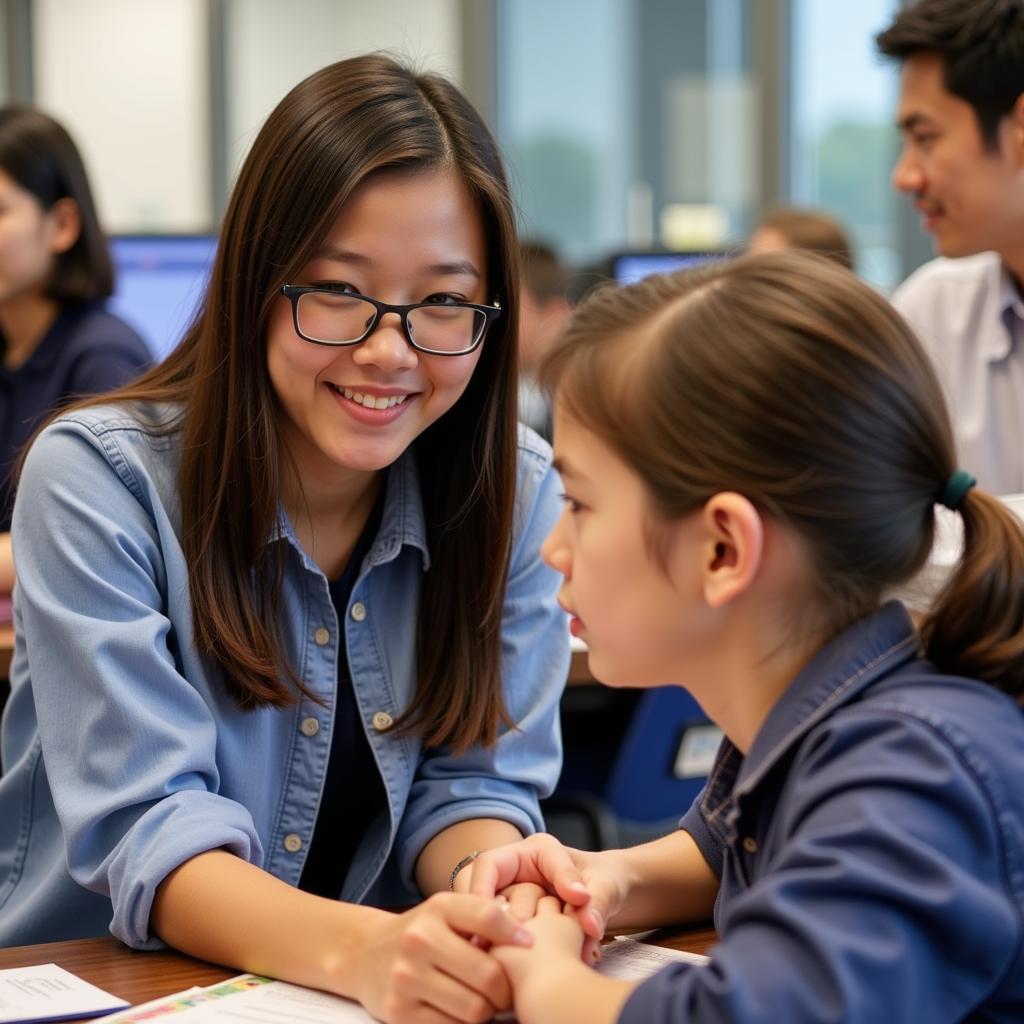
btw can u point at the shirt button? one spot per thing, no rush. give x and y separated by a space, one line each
359 611
322 636
310 727
382 721
750 844
292 843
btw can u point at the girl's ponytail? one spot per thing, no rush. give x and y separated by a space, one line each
976 626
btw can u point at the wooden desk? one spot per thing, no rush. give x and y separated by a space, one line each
579 670
139 977
6 649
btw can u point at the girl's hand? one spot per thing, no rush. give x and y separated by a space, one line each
422 967
557 941
549 983
522 899
589 882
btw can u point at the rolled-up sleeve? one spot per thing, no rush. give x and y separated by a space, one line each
508 780
129 744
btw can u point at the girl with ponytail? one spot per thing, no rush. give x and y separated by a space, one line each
752 454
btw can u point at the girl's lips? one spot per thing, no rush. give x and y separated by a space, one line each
575 625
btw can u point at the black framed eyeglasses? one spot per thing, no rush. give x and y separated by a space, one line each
325 316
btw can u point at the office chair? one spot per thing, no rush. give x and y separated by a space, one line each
662 764
652 772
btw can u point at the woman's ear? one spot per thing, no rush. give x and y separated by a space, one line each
734 547
65 224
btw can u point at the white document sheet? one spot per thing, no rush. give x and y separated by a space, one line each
48 992
248 998
631 960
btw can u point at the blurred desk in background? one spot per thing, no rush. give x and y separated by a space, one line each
579 668
6 648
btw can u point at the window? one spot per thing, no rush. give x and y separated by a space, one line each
843 139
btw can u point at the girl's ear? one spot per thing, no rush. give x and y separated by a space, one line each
65 224
734 547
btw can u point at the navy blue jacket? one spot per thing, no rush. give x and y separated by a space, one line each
871 851
85 352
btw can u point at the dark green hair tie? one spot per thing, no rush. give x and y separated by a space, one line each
955 489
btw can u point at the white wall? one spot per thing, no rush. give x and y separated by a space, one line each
272 46
129 79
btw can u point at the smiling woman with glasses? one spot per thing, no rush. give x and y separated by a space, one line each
294 576
326 316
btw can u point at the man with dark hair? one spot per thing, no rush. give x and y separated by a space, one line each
961 116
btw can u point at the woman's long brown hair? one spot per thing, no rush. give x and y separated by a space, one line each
332 131
786 379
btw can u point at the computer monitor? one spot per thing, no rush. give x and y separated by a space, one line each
629 267
160 281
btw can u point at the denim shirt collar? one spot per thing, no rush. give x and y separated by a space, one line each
838 673
402 521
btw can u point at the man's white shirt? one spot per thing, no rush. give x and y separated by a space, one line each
970 319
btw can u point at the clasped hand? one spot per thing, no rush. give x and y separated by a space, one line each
455 957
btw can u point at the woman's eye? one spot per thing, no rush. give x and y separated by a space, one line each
571 503
334 286
443 299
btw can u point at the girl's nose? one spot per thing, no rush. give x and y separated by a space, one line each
555 551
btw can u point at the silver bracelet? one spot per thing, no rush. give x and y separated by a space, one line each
468 859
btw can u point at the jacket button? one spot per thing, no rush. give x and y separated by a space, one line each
382 721
359 611
292 843
322 636
750 844
310 727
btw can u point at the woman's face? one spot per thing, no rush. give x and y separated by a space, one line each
26 241
402 238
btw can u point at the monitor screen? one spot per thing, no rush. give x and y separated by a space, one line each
630 267
160 280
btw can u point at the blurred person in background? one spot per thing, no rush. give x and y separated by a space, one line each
543 307
961 116
55 273
787 227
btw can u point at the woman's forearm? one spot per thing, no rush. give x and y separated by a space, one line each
220 908
6 564
447 848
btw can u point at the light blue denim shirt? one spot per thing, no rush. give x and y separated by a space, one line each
124 756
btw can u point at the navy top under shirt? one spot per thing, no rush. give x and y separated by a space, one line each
353 793
86 351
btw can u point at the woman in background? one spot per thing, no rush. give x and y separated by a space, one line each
788 227
55 272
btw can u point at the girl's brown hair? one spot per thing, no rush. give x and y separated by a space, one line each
329 134
784 378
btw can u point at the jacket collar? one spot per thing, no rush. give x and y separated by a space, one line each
837 675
